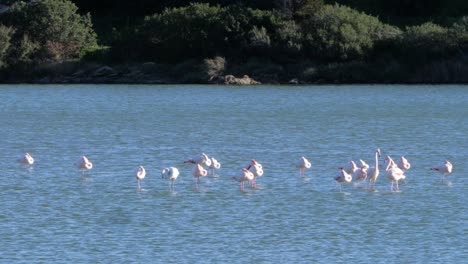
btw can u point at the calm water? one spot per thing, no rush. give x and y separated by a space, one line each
52 214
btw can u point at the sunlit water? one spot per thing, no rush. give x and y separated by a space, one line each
52 214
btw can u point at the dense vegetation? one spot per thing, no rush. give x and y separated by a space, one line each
271 40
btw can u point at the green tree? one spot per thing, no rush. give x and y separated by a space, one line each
5 38
337 32
55 25
186 32
427 42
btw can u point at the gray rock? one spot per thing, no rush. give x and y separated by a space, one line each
104 71
245 80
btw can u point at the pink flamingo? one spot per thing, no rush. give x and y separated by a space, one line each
171 174
343 177
246 175
140 175
26 160
403 164
215 165
350 167
303 165
84 164
361 174
257 169
444 169
394 174
197 172
373 173
202 159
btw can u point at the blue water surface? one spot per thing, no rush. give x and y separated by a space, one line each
50 213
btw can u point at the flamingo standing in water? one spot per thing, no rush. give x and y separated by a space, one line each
215 165
394 174
26 160
140 175
84 164
343 177
246 175
373 173
361 173
444 169
303 165
171 174
202 159
350 167
403 164
197 172
257 169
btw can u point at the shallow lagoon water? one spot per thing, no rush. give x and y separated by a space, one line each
52 214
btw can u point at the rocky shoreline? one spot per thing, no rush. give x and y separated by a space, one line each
443 72
145 73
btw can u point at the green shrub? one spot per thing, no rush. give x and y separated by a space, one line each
215 67
338 33
186 32
5 38
200 30
55 25
288 38
427 42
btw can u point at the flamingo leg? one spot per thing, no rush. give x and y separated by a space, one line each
139 186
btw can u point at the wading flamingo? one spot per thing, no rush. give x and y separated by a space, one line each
215 165
257 169
350 167
26 160
197 172
84 164
373 173
245 175
170 174
394 174
343 177
403 164
140 175
202 159
444 169
361 174
303 164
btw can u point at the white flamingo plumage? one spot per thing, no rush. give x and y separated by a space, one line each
361 173
444 169
198 171
215 165
140 174
257 169
245 175
403 164
343 177
373 172
202 159
84 164
26 160
170 174
350 167
394 174
303 164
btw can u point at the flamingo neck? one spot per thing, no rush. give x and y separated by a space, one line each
376 161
